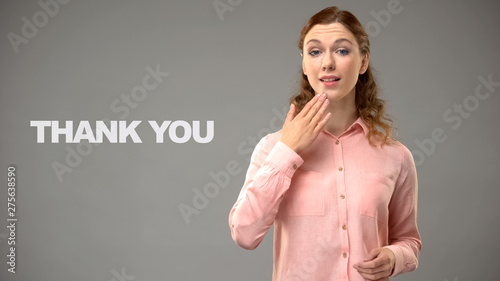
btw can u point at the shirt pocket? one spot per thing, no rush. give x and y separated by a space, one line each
306 195
376 195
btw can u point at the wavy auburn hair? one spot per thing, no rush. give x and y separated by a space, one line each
368 106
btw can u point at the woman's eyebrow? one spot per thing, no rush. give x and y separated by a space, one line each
338 41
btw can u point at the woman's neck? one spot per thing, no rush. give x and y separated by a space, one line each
343 115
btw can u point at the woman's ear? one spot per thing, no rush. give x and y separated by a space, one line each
303 66
365 62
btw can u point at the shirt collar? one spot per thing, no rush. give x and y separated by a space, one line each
360 122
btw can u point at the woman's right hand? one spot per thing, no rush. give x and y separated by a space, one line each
300 131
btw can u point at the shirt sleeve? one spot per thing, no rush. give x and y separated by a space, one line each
267 179
404 238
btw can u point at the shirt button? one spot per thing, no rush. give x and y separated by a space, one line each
344 255
295 166
344 227
342 196
337 142
341 169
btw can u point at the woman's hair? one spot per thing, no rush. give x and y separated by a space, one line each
368 106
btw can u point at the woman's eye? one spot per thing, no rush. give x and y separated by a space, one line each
343 52
314 53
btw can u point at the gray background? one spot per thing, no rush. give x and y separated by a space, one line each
117 211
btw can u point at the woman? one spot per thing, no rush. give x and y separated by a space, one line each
340 191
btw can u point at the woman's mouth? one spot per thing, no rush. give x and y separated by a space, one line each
329 80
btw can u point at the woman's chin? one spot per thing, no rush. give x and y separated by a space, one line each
334 96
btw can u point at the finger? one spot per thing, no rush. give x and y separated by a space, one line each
373 259
321 112
291 114
375 276
308 106
371 264
316 107
373 254
379 269
321 125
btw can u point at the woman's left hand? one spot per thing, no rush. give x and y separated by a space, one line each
378 265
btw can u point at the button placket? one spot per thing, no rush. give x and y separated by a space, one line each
341 202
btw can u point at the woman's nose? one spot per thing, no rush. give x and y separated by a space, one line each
328 62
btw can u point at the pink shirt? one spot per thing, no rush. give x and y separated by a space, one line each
331 206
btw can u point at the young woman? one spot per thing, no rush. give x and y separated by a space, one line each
340 191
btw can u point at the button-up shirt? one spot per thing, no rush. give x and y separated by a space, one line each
330 205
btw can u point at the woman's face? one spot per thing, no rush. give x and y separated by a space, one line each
332 60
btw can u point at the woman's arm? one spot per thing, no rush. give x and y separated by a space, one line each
404 238
268 178
272 166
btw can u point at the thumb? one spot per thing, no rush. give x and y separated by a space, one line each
291 113
373 254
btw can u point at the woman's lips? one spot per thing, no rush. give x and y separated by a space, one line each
329 81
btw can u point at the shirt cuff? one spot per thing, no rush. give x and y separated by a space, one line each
399 263
285 159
